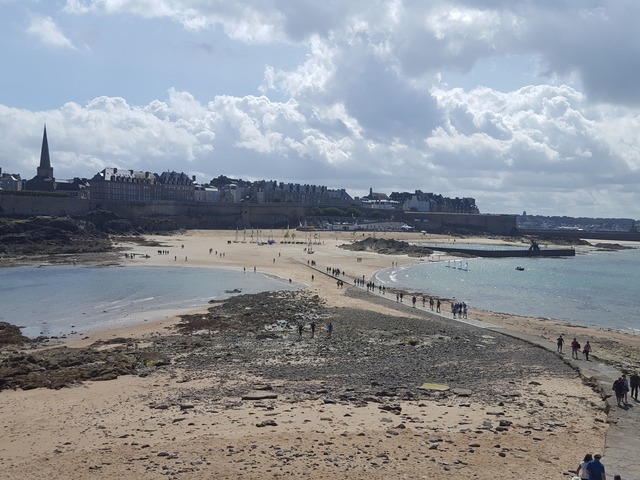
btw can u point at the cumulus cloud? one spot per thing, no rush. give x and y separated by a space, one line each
593 43
546 145
48 33
370 104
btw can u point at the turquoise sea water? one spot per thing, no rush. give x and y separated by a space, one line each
596 289
59 300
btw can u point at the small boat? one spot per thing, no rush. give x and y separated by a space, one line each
520 269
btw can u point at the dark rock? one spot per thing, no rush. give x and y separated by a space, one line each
267 423
260 396
11 335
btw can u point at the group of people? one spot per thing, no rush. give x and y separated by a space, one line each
575 348
623 385
591 468
459 309
312 325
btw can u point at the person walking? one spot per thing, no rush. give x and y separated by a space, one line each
582 468
625 381
329 329
596 468
634 383
619 388
587 350
575 349
313 328
560 343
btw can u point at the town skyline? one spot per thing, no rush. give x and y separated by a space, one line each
113 184
494 102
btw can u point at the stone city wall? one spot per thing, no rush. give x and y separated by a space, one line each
461 222
35 205
240 215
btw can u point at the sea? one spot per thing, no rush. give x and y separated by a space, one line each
72 300
598 288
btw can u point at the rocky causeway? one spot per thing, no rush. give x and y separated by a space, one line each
369 355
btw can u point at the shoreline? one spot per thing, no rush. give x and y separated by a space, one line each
197 244
323 407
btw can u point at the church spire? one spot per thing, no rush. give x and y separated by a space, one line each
45 170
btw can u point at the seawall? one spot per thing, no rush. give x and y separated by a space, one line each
544 252
239 215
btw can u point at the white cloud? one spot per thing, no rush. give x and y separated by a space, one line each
48 33
548 157
311 76
365 107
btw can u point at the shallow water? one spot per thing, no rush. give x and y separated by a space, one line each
59 300
596 289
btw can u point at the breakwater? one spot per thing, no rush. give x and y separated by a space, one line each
477 252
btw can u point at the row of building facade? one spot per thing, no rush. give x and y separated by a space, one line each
115 184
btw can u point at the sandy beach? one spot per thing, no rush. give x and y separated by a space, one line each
514 411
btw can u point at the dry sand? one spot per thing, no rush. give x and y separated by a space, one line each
107 430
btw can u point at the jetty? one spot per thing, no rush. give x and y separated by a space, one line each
511 252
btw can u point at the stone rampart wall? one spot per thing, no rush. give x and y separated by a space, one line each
480 223
32 205
239 215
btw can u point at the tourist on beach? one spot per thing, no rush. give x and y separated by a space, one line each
431 302
560 343
575 348
438 306
313 328
413 301
596 468
587 350
329 329
619 388
626 386
625 380
582 468
634 383
300 330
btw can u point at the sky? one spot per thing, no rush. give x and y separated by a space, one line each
524 105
